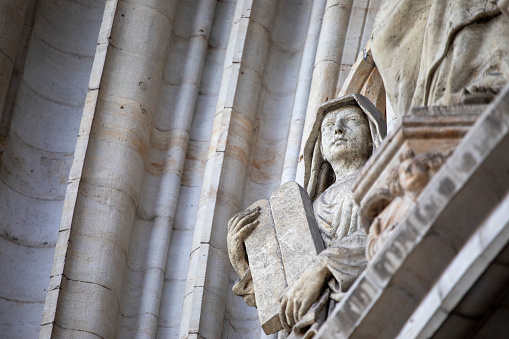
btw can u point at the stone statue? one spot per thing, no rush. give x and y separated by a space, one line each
344 134
447 52
383 210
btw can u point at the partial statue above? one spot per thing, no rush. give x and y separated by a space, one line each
446 52
345 132
386 207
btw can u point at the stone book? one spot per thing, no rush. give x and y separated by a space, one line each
284 243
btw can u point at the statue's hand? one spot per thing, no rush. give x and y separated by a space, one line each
302 293
239 228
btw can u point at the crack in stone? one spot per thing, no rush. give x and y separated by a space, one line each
93 283
154 9
7 237
77 330
23 301
79 56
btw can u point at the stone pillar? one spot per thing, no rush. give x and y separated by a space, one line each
87 276
207 283
12 17
328 55
345 30
164 176
39 149
302 93
11 90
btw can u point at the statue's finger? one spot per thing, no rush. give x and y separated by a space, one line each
246 230
247 219
253 213
282 314
304 307
235 219
289 313
296 310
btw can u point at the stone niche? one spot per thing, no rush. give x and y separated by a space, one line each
426 129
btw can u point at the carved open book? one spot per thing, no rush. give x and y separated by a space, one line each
280 248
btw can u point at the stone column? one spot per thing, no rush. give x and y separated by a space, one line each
12 17
207 282
346 29
183 73
302 93
327 63
39 150
89 266
11 90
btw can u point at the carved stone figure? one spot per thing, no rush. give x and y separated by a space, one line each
445 52
344 134
387 207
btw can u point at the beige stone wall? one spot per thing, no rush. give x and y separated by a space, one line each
194 110
49 47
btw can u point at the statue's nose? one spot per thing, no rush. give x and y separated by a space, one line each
338 128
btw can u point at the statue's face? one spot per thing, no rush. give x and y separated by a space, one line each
413 175
345 133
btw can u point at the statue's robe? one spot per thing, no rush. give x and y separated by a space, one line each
344 237
428 51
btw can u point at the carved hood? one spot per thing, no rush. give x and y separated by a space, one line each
318 173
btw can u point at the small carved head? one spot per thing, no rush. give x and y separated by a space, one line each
414 172
345 132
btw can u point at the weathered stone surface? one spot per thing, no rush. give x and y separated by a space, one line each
266 268
284 243
384 209
457 201
296 228
364 78
424 129
184 188
344 134
432 53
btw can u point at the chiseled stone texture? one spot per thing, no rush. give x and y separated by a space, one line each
266 265
51 64
449 211
468 297
296 228
426 129
284 243
194 110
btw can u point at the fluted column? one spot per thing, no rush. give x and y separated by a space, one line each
207 282
12 17
302 93
39 150
345 31
145 273
88 270
327 64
